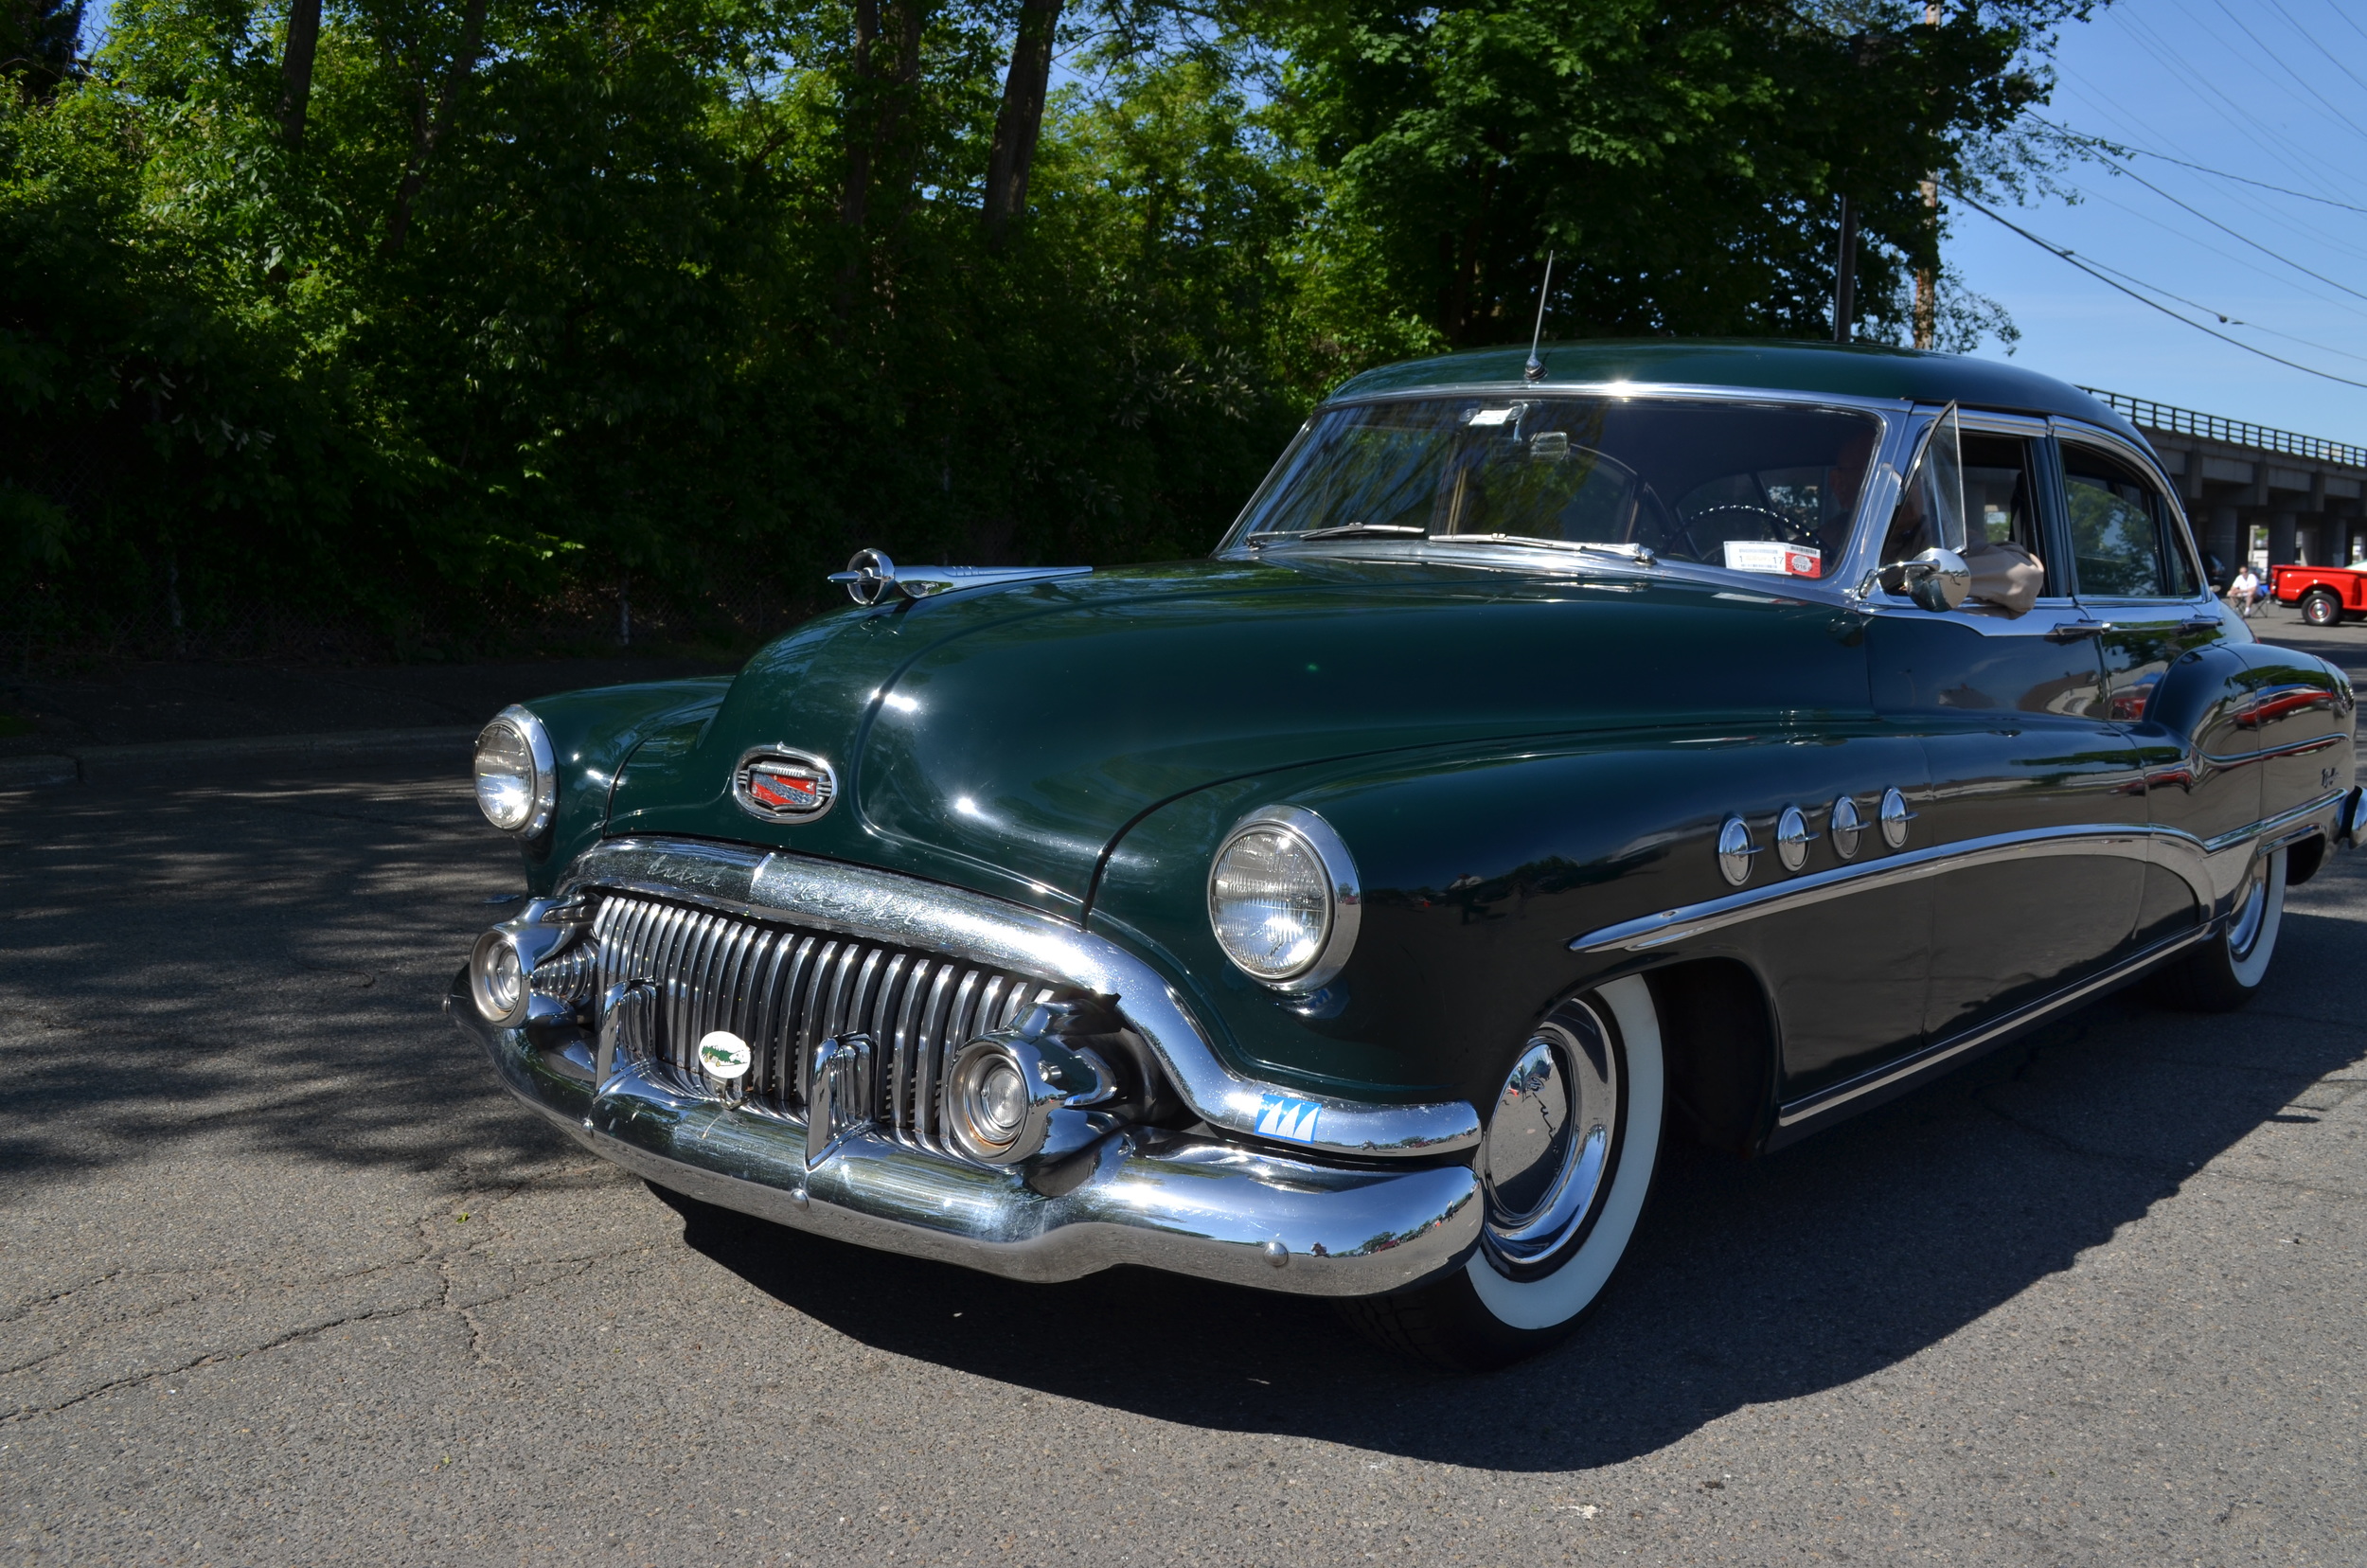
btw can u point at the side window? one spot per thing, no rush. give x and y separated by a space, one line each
2122 529
2000 490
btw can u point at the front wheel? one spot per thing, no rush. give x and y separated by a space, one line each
1565 1166
2322 610
2225 971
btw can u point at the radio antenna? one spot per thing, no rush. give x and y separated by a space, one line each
1535 370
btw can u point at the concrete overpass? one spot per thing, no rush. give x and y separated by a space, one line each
2269 495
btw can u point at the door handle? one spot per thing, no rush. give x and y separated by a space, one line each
2201 623
2074 631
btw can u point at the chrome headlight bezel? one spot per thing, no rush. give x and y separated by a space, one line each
1346 910
542 786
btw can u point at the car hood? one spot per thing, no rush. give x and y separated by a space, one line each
1004 739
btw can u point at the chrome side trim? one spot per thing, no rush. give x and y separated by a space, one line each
2291 748
2192 858
2302 816
1192 1205
1948 1051
1641 934
905 912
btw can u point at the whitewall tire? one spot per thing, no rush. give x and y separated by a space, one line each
1567 1164
2225 969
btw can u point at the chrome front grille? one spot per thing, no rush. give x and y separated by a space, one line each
785 991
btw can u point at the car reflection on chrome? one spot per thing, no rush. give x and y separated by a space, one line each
1718 739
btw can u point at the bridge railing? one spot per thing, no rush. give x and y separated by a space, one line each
2186 422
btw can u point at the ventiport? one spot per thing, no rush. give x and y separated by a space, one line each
871 1086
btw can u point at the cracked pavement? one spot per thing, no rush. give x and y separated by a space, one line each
284 1277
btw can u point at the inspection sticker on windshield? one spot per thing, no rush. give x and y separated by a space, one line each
1280 1117
1767 555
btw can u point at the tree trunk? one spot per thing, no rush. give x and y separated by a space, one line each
1461 304
295 71
910 15
855 202
1021 120
428 129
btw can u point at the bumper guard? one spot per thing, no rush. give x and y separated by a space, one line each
1161 1200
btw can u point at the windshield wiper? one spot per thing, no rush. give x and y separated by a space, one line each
1640 554
1352 530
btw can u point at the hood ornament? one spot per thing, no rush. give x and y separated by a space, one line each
871 577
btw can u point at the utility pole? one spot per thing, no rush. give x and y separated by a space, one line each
1845 274
1927 285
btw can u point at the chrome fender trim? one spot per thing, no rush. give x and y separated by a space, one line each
2212 870
886 907
1161 1200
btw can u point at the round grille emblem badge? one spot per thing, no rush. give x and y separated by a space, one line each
725 1054
784 786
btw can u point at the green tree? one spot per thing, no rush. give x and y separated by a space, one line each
1683 160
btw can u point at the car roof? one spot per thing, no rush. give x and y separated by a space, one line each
1845 370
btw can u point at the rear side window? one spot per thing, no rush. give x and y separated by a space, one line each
2124 534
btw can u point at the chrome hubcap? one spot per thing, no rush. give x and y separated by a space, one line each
1551 1138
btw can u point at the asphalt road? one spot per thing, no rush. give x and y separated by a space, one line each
289 1280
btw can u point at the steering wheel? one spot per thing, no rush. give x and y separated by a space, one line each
1666 523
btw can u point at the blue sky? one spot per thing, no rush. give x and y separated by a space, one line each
2274 91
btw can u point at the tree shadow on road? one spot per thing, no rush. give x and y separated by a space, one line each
1838 1260
266 963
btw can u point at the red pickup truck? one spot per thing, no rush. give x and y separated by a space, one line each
2326 593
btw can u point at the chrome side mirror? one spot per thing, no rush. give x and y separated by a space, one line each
1938 580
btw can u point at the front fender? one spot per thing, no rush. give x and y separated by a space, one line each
593 732
1478 869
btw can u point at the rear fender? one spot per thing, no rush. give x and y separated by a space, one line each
2244 732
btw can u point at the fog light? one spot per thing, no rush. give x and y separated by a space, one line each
999 1100
497 979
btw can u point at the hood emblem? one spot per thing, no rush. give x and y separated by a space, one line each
781 785
871 577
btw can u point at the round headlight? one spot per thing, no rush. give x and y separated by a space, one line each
517 782
1283 898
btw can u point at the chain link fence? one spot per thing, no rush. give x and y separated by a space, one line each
40 632
56 620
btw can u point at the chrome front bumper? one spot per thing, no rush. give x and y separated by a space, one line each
1192 1205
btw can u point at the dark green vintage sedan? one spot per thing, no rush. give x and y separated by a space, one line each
1557 754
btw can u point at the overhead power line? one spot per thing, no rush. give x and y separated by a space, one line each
2279 61
2199 169
2153 304
2234 234
2336 59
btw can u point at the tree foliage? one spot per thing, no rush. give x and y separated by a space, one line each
393 307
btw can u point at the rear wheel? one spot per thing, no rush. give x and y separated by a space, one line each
1566 1165
2321 609
2225 971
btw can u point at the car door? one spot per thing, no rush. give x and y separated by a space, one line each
2226 725
2036 808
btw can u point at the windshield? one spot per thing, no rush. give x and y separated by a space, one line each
1752 486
